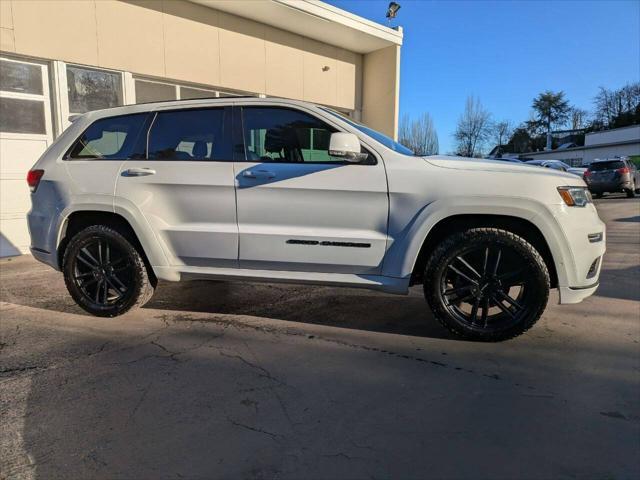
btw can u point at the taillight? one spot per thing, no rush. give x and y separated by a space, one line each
586 174
623 170
33 179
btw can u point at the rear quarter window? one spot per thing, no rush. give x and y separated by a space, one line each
113 138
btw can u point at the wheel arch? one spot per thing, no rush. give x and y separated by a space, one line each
455 223
78 220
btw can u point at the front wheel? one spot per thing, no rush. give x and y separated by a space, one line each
104 272
486 284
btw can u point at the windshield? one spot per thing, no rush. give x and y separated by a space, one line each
377 136
600 166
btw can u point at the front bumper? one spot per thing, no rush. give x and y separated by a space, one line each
570 295
584 246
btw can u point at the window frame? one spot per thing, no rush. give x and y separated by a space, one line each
239 137
227 130
46 98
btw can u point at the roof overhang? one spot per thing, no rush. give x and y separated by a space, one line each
313 19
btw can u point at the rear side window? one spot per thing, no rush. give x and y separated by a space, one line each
113 138
195 134
613 165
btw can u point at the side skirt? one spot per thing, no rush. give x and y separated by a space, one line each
399 286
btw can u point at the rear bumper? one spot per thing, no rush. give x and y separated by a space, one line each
45 257
617 186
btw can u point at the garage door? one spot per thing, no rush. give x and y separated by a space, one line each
25 132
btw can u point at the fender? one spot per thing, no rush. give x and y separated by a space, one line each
407 240
146 236
93 203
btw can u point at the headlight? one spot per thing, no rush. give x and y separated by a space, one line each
575 196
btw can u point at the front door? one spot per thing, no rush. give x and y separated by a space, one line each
299 208
185 186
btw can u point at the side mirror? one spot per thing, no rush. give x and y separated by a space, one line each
346 146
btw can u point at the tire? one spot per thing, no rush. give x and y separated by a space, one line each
105 273
481 311
631 192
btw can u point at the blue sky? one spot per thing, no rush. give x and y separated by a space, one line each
506 52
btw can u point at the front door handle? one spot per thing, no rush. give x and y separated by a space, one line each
258 174
138 172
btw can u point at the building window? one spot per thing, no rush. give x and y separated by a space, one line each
188 93
18 115
20 77
93 89
154 91
22 97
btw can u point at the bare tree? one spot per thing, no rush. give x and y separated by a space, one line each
611 104
501 132
473 130
578 118
419 134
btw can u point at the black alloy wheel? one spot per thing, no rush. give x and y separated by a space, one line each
104 272
486 284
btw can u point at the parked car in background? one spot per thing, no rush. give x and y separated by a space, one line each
276 190
580 171
555 164
613 176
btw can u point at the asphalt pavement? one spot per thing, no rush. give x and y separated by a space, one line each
261 381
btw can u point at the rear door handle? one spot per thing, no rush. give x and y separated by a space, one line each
258 174
138 172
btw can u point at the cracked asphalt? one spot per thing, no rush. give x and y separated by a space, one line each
260 381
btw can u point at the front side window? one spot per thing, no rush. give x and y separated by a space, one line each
195 134
283 135
111 138
93 89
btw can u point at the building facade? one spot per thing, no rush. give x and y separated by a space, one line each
618 142
61 58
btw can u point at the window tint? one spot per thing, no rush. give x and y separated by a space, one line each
600 166
284 135
197 134
111 138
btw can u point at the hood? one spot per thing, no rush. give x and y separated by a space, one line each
481 164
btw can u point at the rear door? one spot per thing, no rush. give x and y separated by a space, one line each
184 187
299 208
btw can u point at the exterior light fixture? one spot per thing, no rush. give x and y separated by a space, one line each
392 10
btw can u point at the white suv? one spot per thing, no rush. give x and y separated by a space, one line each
252 189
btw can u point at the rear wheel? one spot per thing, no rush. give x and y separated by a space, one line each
104 273
631 192
486 284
